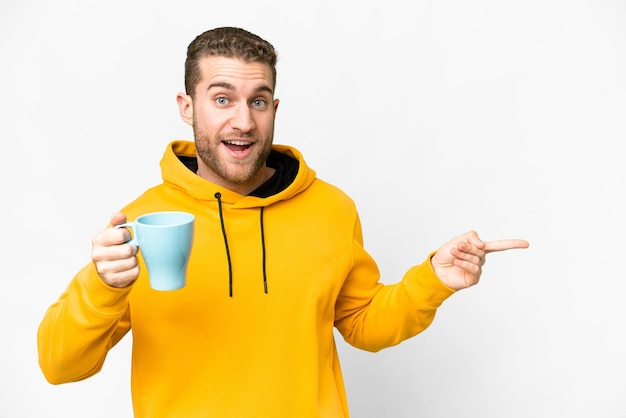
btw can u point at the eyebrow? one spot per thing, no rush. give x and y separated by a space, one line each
229 86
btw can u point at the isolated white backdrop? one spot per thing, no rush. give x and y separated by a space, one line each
437 117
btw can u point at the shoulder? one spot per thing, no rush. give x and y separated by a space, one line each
331 195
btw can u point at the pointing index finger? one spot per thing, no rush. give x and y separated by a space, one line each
505 244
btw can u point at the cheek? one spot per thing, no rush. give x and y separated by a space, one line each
208 122
266 123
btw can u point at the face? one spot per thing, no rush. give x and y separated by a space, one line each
232 116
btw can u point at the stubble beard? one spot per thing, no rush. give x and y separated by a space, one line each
238 172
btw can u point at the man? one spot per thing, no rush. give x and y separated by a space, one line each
277 262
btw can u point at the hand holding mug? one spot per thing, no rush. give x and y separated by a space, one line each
114 258
164 240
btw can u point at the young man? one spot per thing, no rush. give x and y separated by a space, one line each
277 262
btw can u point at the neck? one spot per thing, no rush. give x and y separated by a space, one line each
243 188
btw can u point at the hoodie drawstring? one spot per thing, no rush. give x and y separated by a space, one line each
263 249
218 196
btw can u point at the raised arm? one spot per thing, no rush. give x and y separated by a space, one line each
92 315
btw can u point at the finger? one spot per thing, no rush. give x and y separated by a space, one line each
111 236
469 254
114 252
472 248
472 268
505 244
474 239
118 218
118 274
120 266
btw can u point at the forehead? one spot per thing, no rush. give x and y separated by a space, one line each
233 70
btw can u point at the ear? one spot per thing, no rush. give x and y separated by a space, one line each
275 105
185 107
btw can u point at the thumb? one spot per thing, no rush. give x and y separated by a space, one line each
118 218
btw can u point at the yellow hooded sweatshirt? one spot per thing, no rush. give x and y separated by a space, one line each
223 346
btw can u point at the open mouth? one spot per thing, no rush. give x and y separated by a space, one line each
237 146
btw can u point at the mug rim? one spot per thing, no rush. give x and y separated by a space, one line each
184 218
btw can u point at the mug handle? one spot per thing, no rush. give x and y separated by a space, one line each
130 225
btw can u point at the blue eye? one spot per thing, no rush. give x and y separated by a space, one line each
221 100
258 103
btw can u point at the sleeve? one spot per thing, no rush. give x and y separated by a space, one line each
372 316
79 329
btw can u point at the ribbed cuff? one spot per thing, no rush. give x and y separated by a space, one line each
101 297
425 288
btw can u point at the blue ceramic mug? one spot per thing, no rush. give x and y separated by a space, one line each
165 240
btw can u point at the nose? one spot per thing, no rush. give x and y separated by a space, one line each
242 118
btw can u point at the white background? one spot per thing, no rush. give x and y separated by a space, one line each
437 117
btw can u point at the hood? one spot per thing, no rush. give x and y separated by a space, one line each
176 174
